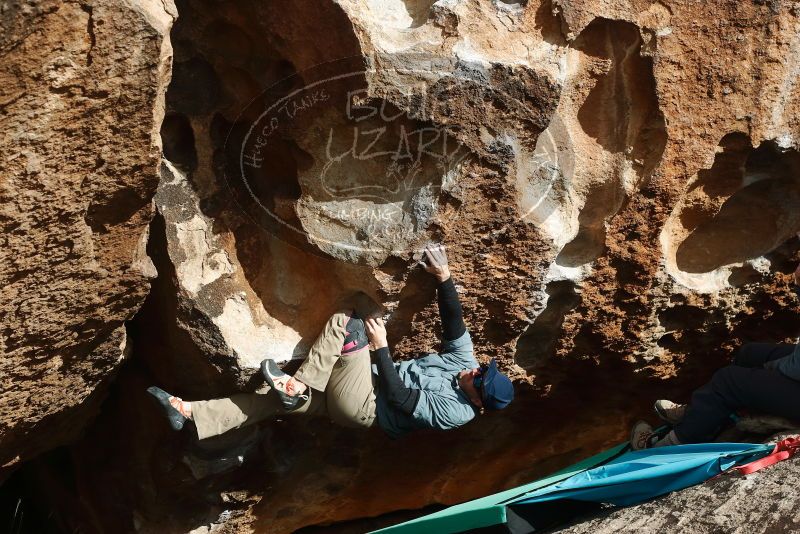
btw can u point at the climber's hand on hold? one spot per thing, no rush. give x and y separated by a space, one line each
436 262
376 332
797 276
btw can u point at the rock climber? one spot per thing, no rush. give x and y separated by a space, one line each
764 378
441 391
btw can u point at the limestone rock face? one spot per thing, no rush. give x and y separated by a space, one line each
220 309
81 101
617 183
225 315
593 169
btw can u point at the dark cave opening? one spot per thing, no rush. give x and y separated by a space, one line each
178 139
24 499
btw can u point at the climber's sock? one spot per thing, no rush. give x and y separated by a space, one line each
296 386
184 407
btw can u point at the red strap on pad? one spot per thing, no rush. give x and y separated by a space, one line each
784 449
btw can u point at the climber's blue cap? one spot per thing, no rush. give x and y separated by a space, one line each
497 391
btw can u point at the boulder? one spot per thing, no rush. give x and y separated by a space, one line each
601 164
616 183
81 103
552 145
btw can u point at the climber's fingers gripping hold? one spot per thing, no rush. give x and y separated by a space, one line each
435 255
436 262
376 332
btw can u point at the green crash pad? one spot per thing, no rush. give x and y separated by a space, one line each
491 510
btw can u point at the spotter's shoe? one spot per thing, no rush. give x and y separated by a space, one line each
670 412
642 436
356 338
175 418
276 379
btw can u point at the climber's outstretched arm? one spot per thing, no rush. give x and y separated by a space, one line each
452 316
397 393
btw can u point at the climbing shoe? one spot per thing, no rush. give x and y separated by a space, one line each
356 338
642 436
670 412
276 379
175 418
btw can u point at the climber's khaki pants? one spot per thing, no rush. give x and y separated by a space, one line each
341 386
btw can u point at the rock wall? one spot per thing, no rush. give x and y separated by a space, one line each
81 102
616 182
598 194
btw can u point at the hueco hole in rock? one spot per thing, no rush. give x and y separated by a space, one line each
593 203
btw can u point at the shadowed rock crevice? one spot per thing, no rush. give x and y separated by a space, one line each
106 211
419 11
621 111
602 202
178 140
164 346
621 114
537 345
744 206
549 23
